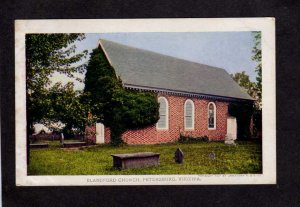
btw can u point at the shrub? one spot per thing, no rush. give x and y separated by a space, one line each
189 139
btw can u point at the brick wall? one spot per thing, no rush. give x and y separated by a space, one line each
106 135
90 134
151 135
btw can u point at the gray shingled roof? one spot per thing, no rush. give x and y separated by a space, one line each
149 69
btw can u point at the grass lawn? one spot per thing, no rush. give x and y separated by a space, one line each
245 157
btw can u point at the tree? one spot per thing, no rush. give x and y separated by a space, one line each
69 107
114 106
245 112
257 57
254 90
249 87
45 55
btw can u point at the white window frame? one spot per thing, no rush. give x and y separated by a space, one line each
193 115
215 116
167 114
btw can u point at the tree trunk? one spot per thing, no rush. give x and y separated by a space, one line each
116 136
29 127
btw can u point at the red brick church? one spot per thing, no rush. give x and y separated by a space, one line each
193 97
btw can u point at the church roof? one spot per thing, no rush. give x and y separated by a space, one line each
142 69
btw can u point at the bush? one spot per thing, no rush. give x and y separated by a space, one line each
189 139
120 109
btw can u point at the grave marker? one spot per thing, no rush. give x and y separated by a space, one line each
62 139
179 156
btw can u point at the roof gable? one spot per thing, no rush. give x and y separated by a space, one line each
144 68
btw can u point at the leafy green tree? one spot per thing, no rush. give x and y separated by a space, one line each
69 107
116 107
45 55
257 55
254 90
249 87
244 112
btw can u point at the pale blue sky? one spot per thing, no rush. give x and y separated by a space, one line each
228 50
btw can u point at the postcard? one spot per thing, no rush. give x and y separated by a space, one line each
145 102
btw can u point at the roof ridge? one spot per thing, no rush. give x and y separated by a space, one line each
157 53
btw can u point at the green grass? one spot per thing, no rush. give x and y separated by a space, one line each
245 157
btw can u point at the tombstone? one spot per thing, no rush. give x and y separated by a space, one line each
231 130
62 139
229 140
99 133
212 155
179 156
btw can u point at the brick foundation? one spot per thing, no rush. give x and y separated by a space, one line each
151 135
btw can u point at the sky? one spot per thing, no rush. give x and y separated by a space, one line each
231 51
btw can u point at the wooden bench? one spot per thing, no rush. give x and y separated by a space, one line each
39 145
135 160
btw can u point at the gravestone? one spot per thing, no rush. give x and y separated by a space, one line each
229 140
212 155
179 156
62 139
99 133
231 135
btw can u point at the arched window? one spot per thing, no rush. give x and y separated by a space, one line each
211 113
189 117
163 122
